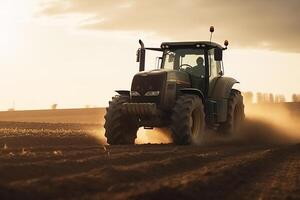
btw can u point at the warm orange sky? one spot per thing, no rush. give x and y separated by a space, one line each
77 52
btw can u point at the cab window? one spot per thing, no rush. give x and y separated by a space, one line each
191 61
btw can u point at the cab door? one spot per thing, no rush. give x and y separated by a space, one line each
215 70
213 106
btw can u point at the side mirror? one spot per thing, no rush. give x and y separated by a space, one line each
158 62
138 55
218 54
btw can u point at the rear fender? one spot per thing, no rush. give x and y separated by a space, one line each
220 88
219 92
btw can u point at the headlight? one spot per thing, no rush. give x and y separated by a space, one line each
134 93
152 93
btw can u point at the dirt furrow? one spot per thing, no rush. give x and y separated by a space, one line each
278 180
111 179
213 181
284 183
65 165
56 153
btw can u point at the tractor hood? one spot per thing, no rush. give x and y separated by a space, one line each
172 75
154 72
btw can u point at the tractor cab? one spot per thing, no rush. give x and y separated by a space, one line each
201 60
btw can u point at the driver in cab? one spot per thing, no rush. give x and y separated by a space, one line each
198 70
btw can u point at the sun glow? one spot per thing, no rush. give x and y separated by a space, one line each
13 16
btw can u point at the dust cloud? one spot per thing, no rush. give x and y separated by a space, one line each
273 123
144 136
264 124
155 136
98 134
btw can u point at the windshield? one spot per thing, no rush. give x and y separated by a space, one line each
178 59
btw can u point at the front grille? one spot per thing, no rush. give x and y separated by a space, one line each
145 82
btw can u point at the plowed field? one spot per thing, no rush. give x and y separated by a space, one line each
67 161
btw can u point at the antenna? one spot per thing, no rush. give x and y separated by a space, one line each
211 30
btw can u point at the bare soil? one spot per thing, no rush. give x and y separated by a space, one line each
66 161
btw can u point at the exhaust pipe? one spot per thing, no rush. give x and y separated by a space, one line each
141 56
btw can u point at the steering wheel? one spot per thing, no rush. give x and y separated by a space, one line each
188 66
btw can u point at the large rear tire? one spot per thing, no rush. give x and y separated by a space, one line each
235 113
119 127
187 120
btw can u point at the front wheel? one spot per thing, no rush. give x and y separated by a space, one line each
119 127
187 120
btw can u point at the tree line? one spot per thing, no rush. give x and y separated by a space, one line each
268 97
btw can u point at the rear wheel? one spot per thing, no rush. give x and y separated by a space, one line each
235 113
188 120
119 127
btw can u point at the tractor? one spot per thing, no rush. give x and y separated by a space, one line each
188 94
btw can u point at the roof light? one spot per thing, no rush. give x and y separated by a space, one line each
226 43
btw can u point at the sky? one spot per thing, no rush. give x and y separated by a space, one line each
77 52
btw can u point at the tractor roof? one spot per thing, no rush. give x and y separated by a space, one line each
193 44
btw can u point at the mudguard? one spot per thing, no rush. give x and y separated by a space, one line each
221 87
193 91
